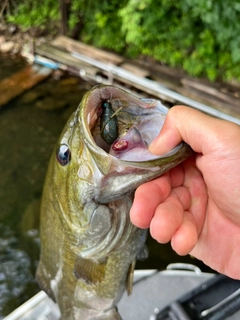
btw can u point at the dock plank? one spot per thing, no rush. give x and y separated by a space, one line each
13 80
21 81
79 47
220 96
50 51
227 97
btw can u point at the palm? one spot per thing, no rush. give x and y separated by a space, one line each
218 244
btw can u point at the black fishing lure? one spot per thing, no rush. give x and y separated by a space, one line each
108 123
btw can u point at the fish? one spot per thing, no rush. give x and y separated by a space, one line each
88 244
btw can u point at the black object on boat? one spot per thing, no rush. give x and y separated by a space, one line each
215 299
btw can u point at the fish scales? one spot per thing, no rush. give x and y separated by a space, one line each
88 243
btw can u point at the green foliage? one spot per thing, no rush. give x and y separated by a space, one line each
101 22
34 13
196 35
200 36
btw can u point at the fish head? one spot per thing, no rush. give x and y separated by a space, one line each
117 168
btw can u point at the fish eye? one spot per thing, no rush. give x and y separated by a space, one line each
63 154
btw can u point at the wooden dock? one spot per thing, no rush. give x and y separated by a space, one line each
21 81
220 96
149 77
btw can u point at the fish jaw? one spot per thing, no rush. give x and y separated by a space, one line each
126 177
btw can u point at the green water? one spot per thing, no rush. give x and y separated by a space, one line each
29 128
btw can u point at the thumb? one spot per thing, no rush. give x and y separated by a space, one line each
186 124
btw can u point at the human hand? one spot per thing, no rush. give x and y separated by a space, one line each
196 205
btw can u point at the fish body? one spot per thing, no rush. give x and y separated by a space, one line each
88 244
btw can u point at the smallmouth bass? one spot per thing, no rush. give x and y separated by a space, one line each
88 244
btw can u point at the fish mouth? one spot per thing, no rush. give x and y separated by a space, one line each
122 126
128 130
116 128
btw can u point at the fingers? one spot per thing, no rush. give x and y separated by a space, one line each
172 222
194 182
173 206
186 236
180 217
149 195
146 199
182 123
169 215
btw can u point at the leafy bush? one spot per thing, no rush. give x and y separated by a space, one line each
200 36
34 13
101 21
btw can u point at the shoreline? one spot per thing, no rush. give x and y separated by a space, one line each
13 39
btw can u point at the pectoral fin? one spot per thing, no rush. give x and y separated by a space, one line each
90 271
129 284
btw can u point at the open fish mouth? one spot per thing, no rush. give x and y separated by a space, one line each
127 129
123 125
